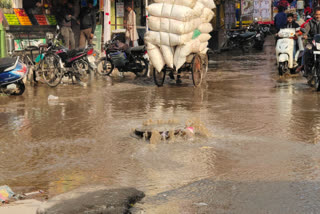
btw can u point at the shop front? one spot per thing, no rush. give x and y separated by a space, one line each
28 21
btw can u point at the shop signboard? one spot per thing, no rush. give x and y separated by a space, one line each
246 7
262 10
120 9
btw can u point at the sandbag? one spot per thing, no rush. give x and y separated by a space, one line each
203 46
187 3
172 25
207 15
167 53
204 37
171 11
208 3
169 39
205 28
155 56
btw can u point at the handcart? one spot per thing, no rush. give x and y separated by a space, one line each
197 64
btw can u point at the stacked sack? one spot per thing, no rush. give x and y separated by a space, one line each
177 29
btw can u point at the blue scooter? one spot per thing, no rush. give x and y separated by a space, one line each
12 72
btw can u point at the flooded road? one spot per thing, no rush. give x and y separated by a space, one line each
263 155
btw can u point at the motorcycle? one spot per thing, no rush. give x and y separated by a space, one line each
58 61
124 58
286 60
313 76
242 39
12 73
259 37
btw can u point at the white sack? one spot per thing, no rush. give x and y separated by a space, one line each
204 37
208 3
172 25
169 39
155 56
198 9
205 28
203 46
183 51
167 53
177 12
187 3
207 15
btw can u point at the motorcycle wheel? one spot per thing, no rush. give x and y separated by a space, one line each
50 69
281 68
20 88
144 63
159 77
105 67
82 71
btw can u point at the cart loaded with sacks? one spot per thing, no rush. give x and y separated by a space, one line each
178 38
196 64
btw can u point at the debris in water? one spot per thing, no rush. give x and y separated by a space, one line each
51 97
5 194
161 130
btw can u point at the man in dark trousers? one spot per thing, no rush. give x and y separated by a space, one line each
87 24
67 14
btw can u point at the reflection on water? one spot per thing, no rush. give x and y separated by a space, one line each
261 131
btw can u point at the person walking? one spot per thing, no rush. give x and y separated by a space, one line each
131 33
67 14
87 24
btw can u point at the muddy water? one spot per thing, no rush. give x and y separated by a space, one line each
265 135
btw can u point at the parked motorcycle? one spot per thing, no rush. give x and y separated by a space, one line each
242 39
12 72
259 37
286 60
124 58
313 76
59 61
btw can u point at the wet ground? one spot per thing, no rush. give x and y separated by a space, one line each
263 155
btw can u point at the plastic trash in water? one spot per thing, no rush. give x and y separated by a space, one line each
5 194
51 97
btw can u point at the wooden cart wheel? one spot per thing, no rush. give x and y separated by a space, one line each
159 77
196 70
205 66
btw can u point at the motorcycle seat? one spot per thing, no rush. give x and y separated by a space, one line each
7 62
75 52
247 34
138 49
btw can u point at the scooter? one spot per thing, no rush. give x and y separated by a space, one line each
12 72
286 60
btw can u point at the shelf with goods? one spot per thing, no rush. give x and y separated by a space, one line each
28 29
